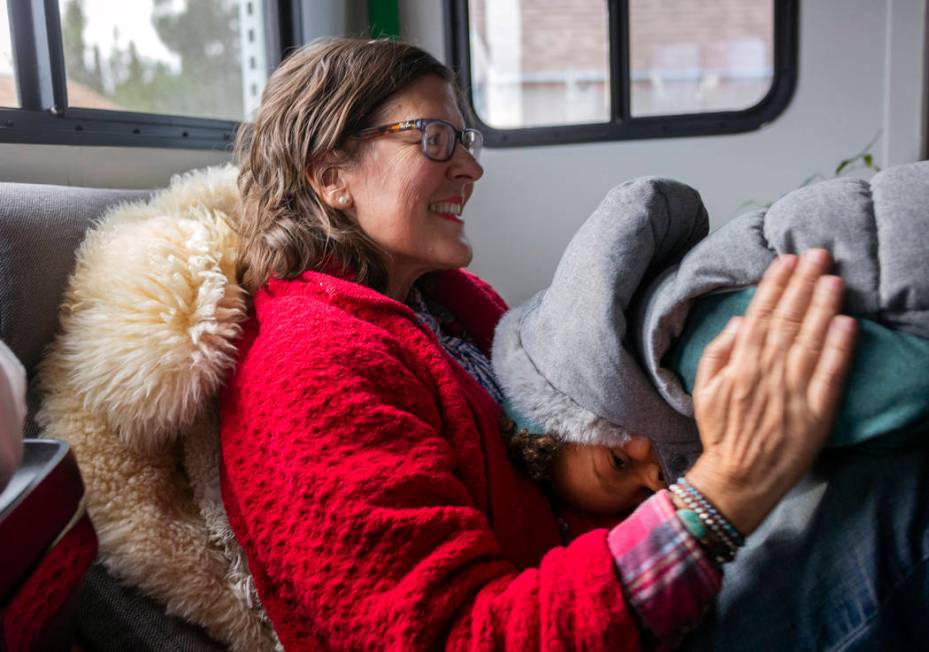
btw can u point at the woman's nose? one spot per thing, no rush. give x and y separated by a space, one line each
644 461
463 166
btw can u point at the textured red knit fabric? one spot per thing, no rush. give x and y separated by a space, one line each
366 478
31 620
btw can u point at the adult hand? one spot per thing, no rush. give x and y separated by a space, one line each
767 388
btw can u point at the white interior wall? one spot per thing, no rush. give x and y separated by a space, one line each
861 74
330 17
905 109
100 167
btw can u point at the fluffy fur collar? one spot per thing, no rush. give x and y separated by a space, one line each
147 335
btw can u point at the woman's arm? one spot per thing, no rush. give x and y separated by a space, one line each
359 530
347 493
346 488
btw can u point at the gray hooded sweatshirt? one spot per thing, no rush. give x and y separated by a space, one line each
586 358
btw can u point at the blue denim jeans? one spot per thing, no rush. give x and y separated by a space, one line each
841 564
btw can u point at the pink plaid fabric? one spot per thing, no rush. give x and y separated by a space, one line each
668 578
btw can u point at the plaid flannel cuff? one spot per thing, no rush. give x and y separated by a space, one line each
668 578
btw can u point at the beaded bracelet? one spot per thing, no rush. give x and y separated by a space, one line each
714 537
705 527
712 517
714 527
718 551
730 529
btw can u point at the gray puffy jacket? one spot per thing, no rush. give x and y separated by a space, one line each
584 358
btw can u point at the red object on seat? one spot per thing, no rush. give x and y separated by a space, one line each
48 543
39 614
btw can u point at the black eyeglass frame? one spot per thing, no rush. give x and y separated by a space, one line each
474 149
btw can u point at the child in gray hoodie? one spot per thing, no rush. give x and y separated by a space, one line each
597 369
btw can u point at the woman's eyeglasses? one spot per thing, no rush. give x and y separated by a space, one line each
438 137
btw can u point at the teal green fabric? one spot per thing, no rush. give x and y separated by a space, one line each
521 420
886 400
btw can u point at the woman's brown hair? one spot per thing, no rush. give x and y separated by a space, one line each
311 106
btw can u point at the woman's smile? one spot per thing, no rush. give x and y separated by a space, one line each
449 208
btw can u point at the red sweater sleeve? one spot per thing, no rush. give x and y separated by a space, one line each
348 493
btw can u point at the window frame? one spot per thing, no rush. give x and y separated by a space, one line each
45 118
622 125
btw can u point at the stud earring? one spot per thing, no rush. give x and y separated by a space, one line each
343 200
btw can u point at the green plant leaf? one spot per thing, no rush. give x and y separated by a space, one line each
844 164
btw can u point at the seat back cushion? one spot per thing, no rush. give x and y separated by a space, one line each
41 226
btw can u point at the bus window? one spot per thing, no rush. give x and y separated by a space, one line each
715 56
540 63
546 72
150 73
205 59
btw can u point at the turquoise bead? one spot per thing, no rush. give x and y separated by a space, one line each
692 522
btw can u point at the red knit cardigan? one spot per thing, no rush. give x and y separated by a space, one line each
365 476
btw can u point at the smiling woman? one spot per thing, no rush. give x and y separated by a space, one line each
401 194
340 196
365 474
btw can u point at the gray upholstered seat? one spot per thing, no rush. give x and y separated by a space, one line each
41 226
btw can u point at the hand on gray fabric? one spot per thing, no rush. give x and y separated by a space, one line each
768 386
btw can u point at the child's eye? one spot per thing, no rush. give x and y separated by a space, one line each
616 461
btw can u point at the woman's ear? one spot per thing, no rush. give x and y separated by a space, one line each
330 184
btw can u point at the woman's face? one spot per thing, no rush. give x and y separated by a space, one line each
603 480
409 205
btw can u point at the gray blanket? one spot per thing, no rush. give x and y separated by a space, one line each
583 358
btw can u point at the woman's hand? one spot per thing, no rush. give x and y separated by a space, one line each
767 389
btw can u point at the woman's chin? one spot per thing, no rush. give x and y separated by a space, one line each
458 254
467 255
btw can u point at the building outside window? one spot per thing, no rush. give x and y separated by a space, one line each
138 72
623 68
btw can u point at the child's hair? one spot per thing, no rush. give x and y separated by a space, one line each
531 452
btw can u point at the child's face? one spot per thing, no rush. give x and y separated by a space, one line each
603 480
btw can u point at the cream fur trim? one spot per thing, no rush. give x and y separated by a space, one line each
534 397
152 310
148 329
